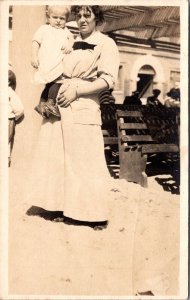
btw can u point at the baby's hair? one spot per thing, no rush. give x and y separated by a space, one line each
65 9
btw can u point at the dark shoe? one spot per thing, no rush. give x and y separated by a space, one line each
99 225
58 220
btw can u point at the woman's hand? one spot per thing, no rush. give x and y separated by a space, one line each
67 94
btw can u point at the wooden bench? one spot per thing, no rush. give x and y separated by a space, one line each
109 124
141 130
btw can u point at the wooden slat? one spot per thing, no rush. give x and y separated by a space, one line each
156 17
133 126
121 132
110 140
136 138
170 30
156 148
105 133
122 114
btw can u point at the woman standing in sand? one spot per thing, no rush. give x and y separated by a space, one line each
82 181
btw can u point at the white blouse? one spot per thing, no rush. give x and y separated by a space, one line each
95 57
102 61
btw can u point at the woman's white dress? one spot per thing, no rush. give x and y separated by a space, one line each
69 169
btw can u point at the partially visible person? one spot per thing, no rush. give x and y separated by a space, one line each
133 99
16 111
153 100
173 97
49 45
174 93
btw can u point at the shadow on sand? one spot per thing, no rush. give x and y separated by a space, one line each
45 214
157 166
167 165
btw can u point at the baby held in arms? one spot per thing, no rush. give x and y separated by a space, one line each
50 44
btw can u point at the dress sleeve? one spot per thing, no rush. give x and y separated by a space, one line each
108 65
39 34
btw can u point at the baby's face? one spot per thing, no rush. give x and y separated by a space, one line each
57 18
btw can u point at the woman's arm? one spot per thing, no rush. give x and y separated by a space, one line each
107 72
68 94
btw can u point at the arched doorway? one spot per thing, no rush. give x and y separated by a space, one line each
146 76
147 63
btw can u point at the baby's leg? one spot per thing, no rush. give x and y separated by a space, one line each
53 92
47 105
51 102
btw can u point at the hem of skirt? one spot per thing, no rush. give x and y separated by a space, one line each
85 219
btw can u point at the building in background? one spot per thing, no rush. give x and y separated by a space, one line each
147 38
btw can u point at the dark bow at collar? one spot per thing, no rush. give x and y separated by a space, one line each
83 46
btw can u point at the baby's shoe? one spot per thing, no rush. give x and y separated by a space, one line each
41 109
52 108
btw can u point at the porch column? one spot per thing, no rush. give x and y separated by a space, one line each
26 19
133 85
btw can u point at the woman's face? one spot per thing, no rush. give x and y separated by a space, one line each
86 21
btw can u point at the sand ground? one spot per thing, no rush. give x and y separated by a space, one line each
138 252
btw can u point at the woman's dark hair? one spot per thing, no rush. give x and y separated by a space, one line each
75 9
12 79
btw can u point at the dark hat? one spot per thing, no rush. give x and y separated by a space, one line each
156 91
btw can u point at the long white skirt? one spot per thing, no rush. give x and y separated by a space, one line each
46 176
69 171
86 180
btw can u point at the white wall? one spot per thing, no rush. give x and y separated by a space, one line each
26 20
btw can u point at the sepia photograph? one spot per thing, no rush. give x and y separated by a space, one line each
93 179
